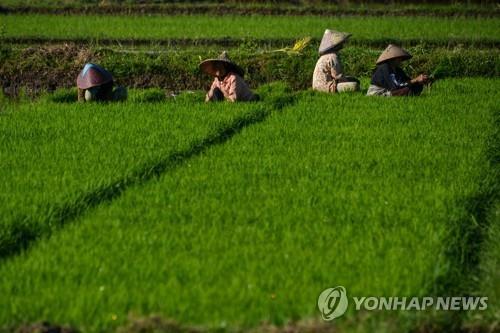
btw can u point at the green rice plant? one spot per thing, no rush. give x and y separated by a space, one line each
254 26
59 157
488 274
365 192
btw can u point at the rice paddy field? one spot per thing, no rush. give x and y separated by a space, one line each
163 213
260 26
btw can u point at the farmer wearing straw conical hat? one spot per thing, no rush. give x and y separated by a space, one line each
228 80
390 80
96 84
328 74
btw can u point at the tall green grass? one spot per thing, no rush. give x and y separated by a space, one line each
303 6
199 26
488 272
368 193
57 157
488 275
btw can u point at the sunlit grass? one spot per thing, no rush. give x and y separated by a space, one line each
368 193
255 26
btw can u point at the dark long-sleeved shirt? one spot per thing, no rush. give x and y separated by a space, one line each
387 77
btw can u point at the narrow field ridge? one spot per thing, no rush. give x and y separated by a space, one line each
481 43
225 9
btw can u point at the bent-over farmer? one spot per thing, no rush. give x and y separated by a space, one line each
228 80
390 80
96 84
329 74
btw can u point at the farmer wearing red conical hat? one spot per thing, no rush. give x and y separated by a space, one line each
390 80
328 74
96 84
228 80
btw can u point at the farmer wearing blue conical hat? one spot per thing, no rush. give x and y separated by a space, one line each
390 80
228 81
96 84
328 74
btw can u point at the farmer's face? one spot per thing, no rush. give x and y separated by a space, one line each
220 71
397 62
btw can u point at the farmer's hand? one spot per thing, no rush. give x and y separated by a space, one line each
422 78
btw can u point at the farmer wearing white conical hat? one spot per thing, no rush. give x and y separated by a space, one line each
390 80
328 74
228 80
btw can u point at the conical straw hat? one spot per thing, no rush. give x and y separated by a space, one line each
391 52
208 67
331 39
93 75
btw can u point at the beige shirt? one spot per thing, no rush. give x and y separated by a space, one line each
328 70
233 87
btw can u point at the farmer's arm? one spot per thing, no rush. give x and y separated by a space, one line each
394 78
210 93
332 63
336 67
234 88
421 79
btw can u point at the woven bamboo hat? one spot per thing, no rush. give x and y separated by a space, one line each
332 39
391 52
208 66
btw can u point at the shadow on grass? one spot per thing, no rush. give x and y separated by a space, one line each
465 244
27 230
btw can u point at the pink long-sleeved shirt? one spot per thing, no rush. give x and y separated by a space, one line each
233 87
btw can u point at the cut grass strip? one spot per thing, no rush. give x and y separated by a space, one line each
59 160
347 190
199 26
